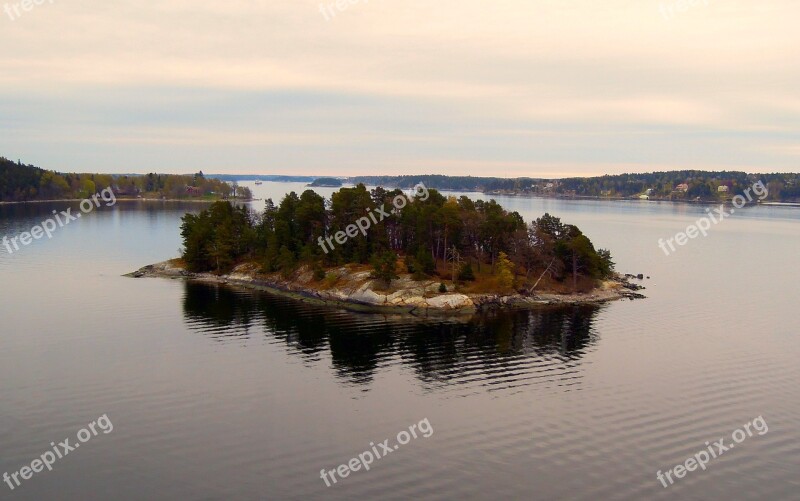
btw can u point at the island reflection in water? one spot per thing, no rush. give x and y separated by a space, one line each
511 346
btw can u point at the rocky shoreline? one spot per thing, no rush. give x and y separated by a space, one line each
356 290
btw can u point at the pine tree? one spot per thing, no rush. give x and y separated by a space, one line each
505 272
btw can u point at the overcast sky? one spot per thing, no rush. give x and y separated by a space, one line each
488 88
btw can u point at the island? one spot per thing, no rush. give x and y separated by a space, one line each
326 182
673 186
389 250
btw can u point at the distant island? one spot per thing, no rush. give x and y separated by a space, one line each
679 186
27 183
326 182
675 186
276 178
437 253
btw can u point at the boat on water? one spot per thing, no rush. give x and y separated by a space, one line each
258 183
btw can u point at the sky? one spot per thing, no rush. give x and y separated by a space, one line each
539 88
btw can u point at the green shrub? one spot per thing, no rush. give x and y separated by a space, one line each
466 274
424 262
331 279
319 272
384 265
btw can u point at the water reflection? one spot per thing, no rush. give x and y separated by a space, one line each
358 344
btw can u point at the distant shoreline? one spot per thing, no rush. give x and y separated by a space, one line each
557 196
781 204
638 200
191 200
629 199
444 190
488 194
595 198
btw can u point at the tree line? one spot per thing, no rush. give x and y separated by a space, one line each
452 238
20 183
700 185
703 185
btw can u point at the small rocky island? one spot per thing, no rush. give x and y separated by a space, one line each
418 253
326 182
355 288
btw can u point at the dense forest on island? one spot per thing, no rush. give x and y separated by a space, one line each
457 239
328 182
21 183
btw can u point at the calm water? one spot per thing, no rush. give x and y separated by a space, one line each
222 394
